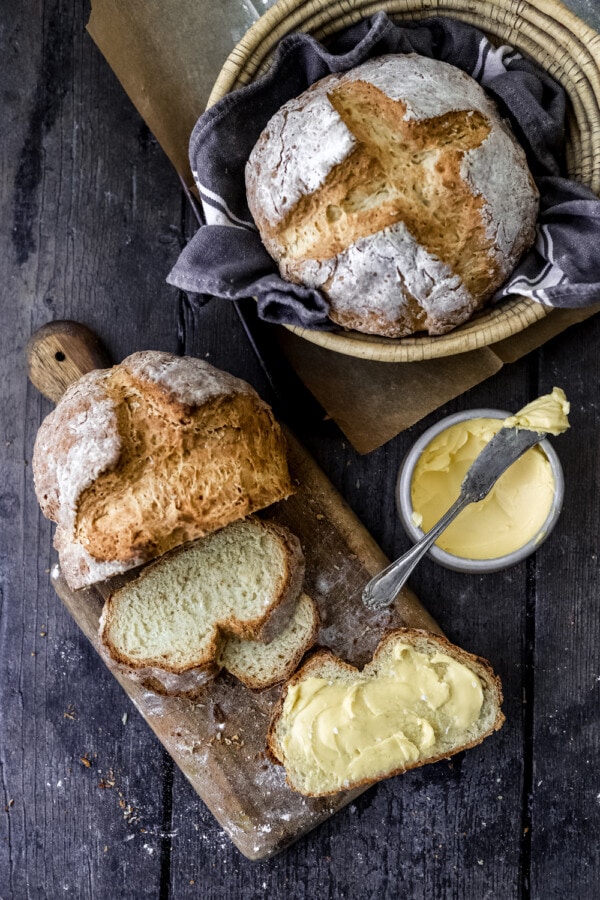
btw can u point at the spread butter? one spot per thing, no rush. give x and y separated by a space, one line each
344 731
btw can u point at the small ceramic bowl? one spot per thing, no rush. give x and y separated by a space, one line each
460 563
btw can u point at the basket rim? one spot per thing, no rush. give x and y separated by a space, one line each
418 348
580 44
282 10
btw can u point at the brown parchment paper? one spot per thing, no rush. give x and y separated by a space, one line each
167 55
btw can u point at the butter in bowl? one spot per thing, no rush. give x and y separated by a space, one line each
519 512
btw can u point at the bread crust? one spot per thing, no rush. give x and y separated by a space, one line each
185 678
417 638
188 684
332 208
113 501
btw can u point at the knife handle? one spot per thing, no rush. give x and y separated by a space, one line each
59 353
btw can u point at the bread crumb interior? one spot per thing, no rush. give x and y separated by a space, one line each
176 614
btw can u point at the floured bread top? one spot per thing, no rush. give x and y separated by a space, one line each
142 457
397 190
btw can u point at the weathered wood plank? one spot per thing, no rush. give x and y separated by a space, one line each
565 789
91 211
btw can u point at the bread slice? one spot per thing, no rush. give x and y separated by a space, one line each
338 728
242 581
259 665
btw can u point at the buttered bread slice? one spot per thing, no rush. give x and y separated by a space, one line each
419 700
241 582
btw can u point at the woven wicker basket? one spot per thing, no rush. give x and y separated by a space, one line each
544 30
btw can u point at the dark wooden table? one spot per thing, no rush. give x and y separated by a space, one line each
91 806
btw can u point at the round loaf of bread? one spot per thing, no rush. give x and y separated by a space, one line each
155 452
397 190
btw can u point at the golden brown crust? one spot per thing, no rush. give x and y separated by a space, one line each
150 454
314 666
416 211
182 472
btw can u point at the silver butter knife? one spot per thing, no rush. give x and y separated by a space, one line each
502 451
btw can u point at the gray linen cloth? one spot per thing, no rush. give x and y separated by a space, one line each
226 257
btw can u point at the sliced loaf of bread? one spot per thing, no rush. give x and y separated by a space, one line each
175 619
157 451
419 700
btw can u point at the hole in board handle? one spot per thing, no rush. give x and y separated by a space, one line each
59 356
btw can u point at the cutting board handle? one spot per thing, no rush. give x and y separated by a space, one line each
61 352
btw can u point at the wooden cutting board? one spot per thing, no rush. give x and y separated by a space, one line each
218 740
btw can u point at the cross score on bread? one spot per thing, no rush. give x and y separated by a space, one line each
429 206
409 206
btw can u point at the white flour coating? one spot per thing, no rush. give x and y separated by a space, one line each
80 568
325 583
428 87
196 752
184 683
150 704
496 170
192 382
306 138
375 271
509 194
75 443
